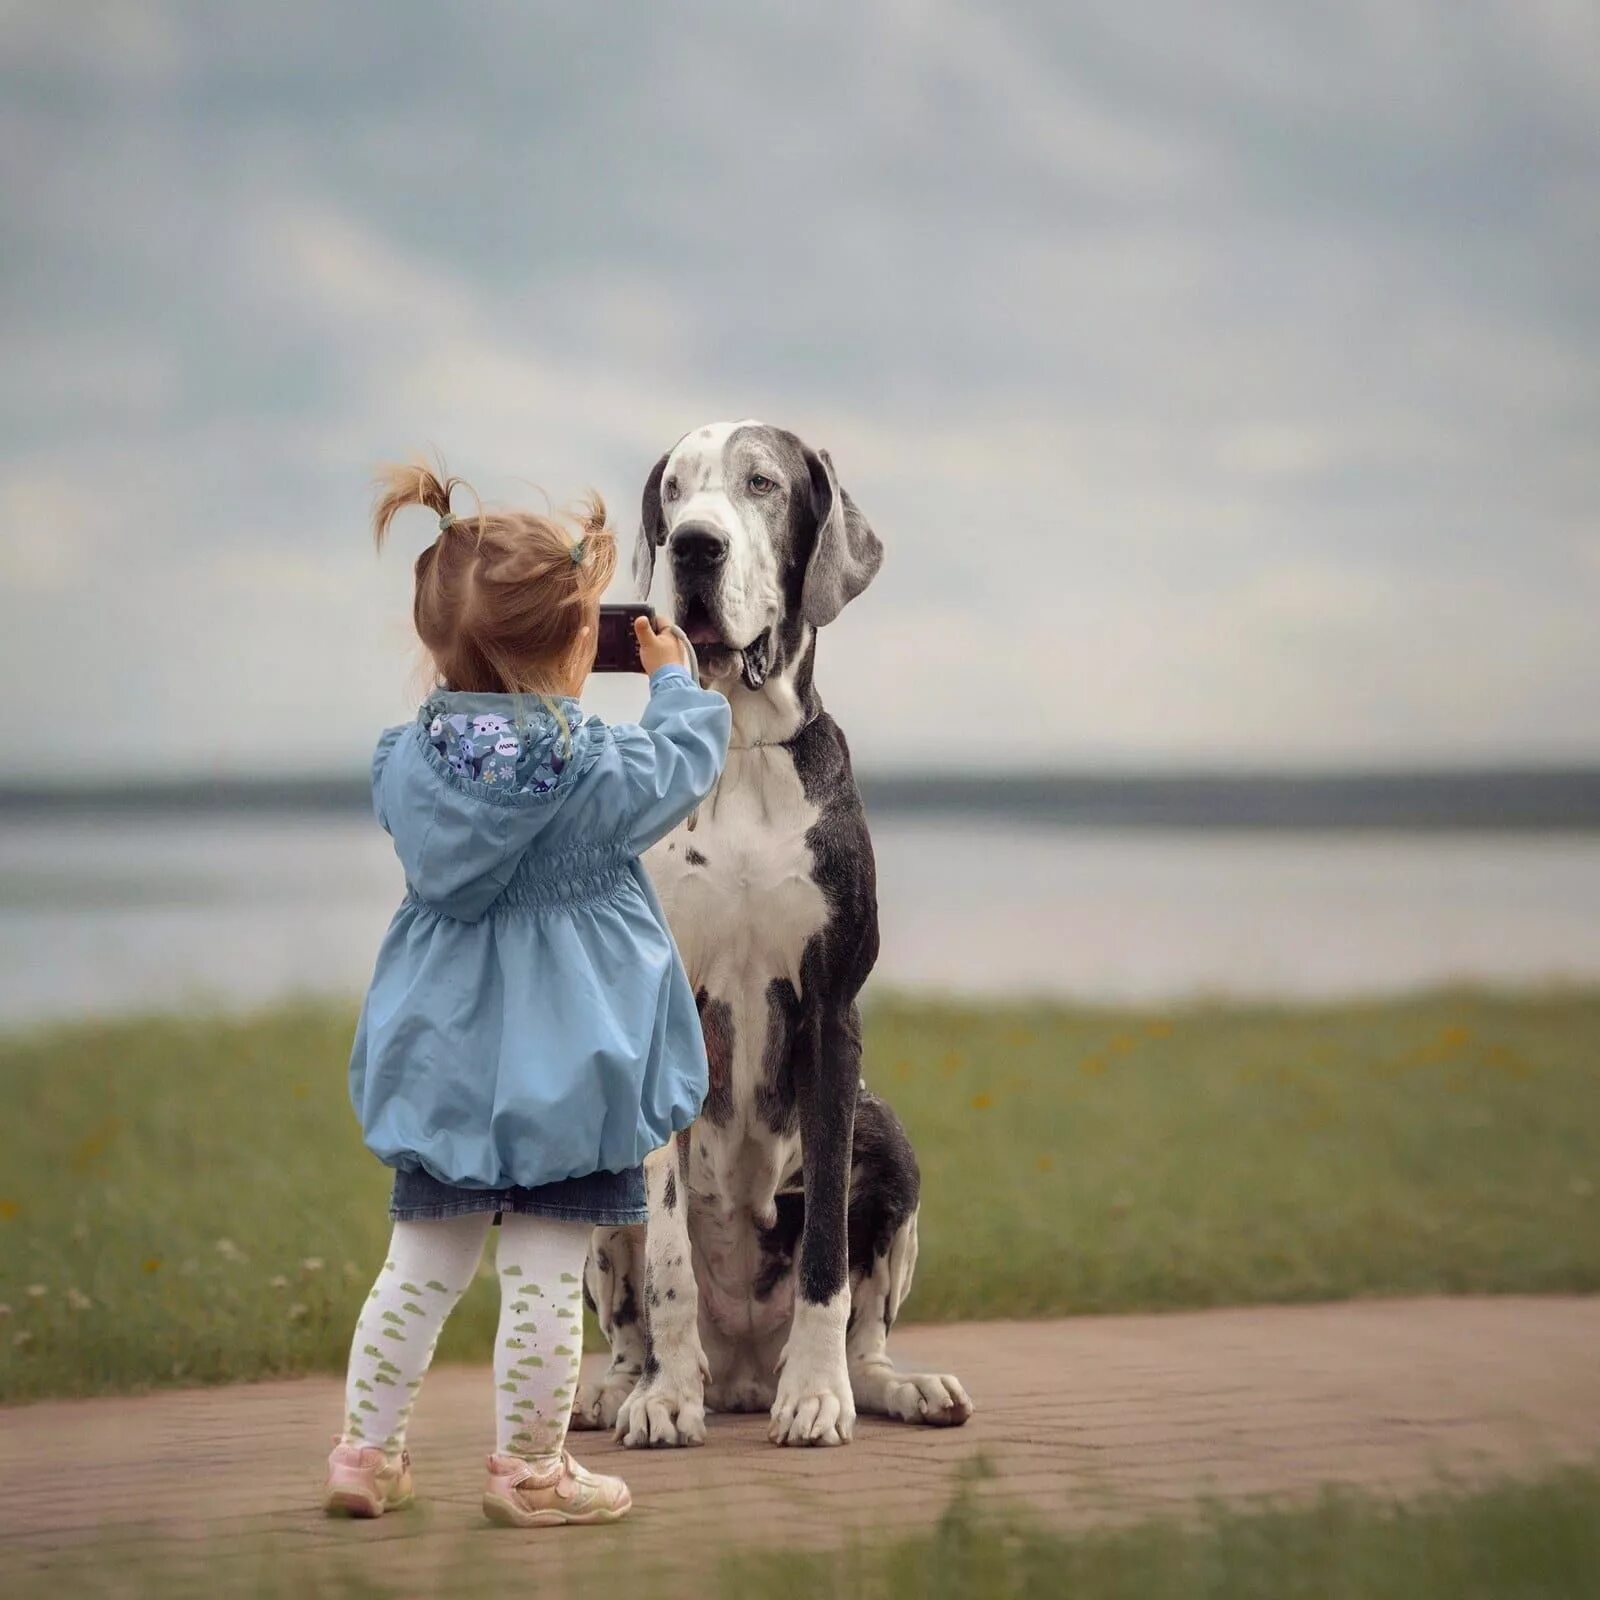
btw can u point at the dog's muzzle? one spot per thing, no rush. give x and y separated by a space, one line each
698 550
717 656
754 659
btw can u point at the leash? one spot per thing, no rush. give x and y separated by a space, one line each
689 650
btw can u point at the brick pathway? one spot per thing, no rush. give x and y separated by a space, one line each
1082 1419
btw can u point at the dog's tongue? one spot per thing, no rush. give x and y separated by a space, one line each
755 661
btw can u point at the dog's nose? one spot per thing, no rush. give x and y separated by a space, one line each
698 547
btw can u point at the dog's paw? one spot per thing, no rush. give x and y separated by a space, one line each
664 1412
937 1400
815 1405
598 1404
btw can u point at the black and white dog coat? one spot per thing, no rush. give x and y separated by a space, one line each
783 1224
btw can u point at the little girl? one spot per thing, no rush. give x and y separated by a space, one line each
529 1035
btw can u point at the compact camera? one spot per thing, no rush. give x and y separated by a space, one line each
617 649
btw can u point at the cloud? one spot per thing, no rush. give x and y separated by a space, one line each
1224 386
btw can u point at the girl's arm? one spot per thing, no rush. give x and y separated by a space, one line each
673 756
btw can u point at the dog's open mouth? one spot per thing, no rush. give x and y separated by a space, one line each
718 658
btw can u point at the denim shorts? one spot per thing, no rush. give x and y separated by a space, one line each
607 1199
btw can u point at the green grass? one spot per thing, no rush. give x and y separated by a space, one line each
1534 1541
201 1182
1081 1161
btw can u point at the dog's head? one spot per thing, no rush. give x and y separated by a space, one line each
758 544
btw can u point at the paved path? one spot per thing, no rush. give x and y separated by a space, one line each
1083 1419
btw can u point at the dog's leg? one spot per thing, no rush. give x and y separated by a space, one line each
814 1404
612 1282
667 1405
936 1399
884 1191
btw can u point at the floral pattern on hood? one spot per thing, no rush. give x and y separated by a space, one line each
517 758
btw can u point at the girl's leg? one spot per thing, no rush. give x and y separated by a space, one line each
540 1341
427 1270
533 1482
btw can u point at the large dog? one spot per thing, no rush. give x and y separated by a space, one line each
783 1225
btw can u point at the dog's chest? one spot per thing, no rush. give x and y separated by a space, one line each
730 1260
738 888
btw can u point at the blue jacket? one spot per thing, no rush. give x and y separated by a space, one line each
529 1019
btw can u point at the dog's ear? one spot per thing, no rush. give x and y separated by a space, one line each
846 553
652 531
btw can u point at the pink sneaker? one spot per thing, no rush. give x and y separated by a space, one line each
364 1482
520 1494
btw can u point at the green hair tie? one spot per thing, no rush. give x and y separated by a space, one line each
578 547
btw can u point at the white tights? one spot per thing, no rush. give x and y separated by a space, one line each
536 1349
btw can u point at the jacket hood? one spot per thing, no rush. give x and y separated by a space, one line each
468 787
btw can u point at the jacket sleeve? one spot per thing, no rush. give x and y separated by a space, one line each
380 759
673 757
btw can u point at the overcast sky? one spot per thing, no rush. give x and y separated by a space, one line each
1224 382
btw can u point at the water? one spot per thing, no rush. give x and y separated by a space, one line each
238 911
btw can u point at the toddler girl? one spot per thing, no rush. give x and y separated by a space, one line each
529 1035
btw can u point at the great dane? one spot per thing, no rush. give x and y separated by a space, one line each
783 1224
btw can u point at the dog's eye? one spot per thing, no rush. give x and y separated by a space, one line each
759 483
669 490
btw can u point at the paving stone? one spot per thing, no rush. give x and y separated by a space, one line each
1083 1420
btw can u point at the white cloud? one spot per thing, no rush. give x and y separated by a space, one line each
1222 390
46 535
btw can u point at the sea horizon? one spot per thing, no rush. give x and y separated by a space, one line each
1553 797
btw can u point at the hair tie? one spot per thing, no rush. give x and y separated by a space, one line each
447 522
578 546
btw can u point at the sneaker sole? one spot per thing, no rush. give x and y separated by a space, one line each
352 1503
508 1514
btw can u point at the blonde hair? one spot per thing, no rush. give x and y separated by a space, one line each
501 595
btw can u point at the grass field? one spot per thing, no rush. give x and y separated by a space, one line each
187 1199
1535 1541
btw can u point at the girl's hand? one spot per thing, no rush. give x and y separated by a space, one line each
658 646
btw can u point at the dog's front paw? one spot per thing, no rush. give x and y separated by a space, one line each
598 1404
666 1409
935 1399
814 1404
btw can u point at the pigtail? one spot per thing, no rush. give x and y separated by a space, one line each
412 483
590 513
595 549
